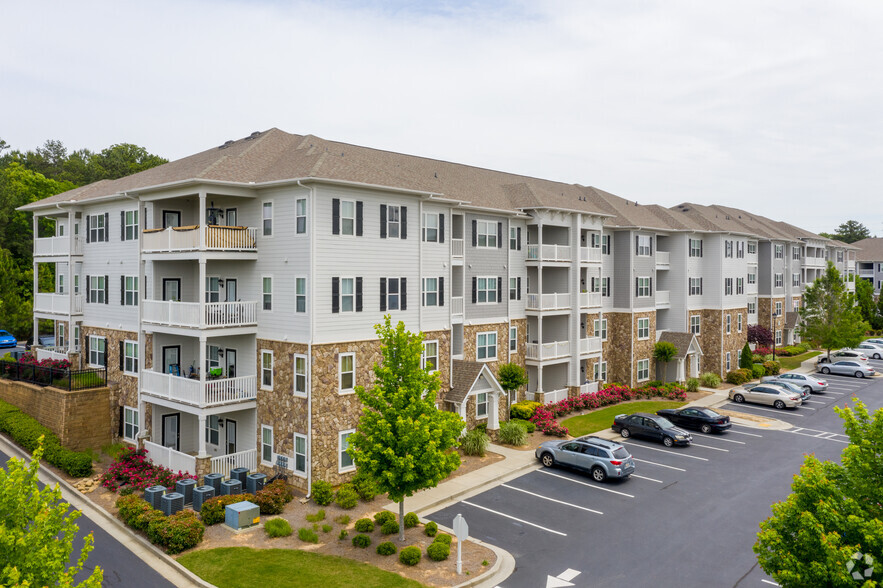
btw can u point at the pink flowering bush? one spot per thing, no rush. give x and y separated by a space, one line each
134 469
545 417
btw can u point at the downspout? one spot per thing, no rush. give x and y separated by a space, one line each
312 276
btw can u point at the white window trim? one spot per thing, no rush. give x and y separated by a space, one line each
267 277
126 371
496 346
305 295
486 404
127 411
294 454
645 362
423 355
272 450
264 353
272 219
306 391
340 388
92 340
640 321
340 467
305 216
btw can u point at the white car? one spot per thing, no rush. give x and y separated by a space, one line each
872 350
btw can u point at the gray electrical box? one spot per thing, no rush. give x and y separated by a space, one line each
171 503
200 495
242 515
255 482
239 474
214 480
153 494
186 487
231 487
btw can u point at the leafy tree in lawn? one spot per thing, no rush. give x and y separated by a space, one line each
833 512
829 314
37 531
746 360
511 376
760 335
664 352
864 297
403 441
852 231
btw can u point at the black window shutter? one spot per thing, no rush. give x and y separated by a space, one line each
335 294
474 289
88 289
441 227
499 235
518 286
335 216
383 222
441 290
106 226
122 419
88 225
474 233
518 238
499 288
404 293
122 290
358 218
106 289
382 294
122 225
122 355
404 218
358 294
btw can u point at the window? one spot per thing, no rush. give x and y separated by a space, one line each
97 351
795 253
268 219
728 361
739 322
429 361
600 328
130 357
728 286
778 337
268 293
391 294
97 228
795 280
266 369
347 295
300 375
740 249
481 405
430 227
694 324
780 280
130 423
347 217
729 324
740 285
643 245
300 453
600 371
643 370
487 233
300 215
98 289
486 346
695 286
130 290
752 247
643 287
728 249
300 294
130 225
347 373
643 328
695 247
513 238
513 338
430 292
213 429
752 308
393 222
487 290
266 445
778 309
605 244
345 462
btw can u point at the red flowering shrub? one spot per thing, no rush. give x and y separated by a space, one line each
133 468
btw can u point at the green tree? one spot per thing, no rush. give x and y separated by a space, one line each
833 512
403 442
852 231
664 352
511 376
37 531
864 297
746 359
829 315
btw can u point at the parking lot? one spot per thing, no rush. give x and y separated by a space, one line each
688 516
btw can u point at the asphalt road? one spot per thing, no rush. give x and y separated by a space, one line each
688 517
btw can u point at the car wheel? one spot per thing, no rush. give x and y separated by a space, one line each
739 398
625 433
668 441
706 428
598 474
808 389
826 370
548 460
859 374
779 404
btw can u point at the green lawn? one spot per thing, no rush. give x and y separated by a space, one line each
234 567
602 419
793 362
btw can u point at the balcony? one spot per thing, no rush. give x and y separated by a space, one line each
457 247
457 308
549 253
182 239
58 303
590 254
663 299
546 351
186 314
589 299
663 260
57 247
555 301
589 345
192 392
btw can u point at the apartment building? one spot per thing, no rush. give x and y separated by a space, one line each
233 294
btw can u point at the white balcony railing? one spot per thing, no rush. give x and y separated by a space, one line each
589 345
217 238
457 247
457 305
555 301
543 351
57 246
58 303
223 464
190 391
589 299
186 314
663 298
663 258
590 254
536 252
168 457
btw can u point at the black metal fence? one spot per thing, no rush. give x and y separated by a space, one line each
66 379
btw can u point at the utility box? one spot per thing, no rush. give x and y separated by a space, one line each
186 487
255 482
171 503
214 480
153 495
231 487
200 495
239 474
242 515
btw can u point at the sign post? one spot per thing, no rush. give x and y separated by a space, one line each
461 530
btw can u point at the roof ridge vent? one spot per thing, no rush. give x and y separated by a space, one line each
226 144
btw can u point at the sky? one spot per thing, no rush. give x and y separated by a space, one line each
772 107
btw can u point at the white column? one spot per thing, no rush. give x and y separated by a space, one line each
201 432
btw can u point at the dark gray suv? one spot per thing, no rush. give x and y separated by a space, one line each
602 458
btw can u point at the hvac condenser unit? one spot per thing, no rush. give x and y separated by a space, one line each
153 494
231 487
200 495
172 503
242 515
186 487
255 482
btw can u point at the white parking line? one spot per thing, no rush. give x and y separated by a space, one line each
709 447
662 465
585 484
646 478
782 412
496 512
663 450
552 499
719 438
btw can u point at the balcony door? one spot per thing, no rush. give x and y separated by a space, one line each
171 430
231 436
171 289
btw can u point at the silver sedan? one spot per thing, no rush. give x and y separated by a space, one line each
848 368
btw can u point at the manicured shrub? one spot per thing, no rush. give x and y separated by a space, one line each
342 535
524 409
710 380
26 432
438 551
443 538
389 527
346 497
431 529
307 535
411 520
410 556
512 433
322 493
692 384
757 371
342 519
317 516
278 528
326 528
364 486
213 509
273 497
529 426
364 525
475 442
383 516
387 548
735 377
362 541
772 368
176 533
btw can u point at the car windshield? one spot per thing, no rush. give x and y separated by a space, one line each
620 453
663 422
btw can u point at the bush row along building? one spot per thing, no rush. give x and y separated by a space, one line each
233 294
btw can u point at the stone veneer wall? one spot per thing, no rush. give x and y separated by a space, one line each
643 347
618 349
